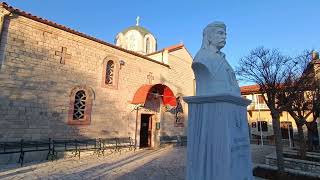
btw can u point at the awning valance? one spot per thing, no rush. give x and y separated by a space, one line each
162 90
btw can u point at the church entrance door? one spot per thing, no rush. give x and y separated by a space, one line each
145 130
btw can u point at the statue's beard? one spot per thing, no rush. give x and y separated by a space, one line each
216 45
221 44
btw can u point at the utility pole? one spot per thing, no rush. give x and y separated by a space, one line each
259 121
290 143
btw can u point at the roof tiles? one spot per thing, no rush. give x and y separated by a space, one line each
250 89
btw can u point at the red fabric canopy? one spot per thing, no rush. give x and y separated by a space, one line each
166 93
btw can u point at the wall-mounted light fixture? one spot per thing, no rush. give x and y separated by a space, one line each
122 63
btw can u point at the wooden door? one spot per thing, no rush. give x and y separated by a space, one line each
146 130
149 130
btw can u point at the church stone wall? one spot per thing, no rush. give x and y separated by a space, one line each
180 61
35 87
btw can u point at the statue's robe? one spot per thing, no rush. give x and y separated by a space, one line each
213 74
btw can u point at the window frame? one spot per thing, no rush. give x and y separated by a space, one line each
260 99
148 45
112 64
88 106
115 80
82 92
263 128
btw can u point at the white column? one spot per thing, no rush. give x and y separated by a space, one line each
218 141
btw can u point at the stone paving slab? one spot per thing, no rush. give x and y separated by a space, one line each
167 163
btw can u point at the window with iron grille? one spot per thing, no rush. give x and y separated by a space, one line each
79 105
110 72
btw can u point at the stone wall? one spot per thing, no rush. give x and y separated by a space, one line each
296 164
179 59
35 86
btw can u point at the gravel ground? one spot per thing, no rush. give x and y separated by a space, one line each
167 163
259 152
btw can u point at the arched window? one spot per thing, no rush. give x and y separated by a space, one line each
109 73
79 105
147 45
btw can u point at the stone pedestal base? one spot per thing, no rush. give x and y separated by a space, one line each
218 138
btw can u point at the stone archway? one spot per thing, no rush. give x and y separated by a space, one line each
151 98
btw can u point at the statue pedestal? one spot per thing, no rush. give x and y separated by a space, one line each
218 138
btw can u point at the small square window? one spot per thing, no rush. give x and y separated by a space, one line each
263 125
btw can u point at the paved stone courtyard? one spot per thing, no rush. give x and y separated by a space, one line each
166 163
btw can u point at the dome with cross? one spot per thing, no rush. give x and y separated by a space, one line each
137 38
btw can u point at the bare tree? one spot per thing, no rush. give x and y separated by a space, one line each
300 97
296 95
313 136
269 69
312 78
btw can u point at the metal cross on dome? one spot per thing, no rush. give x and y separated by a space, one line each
137 20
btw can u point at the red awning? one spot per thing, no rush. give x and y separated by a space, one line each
164 91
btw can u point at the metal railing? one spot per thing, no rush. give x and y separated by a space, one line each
76 146
285 142
178 140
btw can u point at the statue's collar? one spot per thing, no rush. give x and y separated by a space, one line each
219 53
214 51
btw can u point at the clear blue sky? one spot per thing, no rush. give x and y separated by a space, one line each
289 25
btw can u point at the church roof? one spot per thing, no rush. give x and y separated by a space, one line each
170 49
141 29
67 29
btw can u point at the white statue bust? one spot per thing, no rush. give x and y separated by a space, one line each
214 75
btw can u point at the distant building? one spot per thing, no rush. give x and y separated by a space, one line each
259 117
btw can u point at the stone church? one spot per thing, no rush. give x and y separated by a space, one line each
56 82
